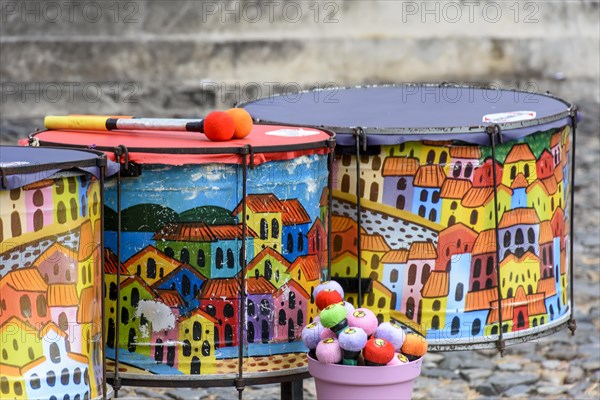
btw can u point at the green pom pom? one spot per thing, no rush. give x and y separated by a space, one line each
333 315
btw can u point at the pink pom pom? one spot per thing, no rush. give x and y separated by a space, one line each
329 351
398 359
363 318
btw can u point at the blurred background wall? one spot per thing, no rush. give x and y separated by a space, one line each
184 58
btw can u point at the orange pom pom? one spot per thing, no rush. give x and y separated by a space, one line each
243 122
219 126
414 345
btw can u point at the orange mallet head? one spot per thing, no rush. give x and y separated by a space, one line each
243 122
219 126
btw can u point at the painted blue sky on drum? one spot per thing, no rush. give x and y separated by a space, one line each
185 187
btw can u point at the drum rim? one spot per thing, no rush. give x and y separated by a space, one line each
98 161
239 150
431 130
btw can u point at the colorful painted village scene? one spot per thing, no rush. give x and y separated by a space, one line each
51 290
180 275
428 237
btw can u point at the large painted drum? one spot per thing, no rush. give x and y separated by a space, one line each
51 274
464 206
213 250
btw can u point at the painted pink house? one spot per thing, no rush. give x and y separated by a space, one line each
164 348
421 261
58 264
63 303
291 302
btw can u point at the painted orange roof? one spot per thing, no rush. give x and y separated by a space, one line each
546 234
200 232
350 254
25 280
436 285
519 216
261 203
431 176
507 311
342 224
519 182
267 252
555 139
550 184
9 370
422 251
374 243
519 152
537 184
528 257
16 322
558 174
380 287
62 295
459 230
87 241
547 287
481 299
86 306
259 285
455 188
477 196
282 290
51 326
80 358
293 213
55 253
395 257
485 242
472 152
228 288
309 264
111 262
200 312
400 166
170 298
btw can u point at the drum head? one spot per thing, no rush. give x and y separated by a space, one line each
412 110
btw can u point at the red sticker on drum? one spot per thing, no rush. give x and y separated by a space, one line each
511 116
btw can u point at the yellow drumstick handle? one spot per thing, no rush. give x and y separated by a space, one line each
84 122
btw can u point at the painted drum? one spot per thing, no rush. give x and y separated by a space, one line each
51 274
465 199
202 235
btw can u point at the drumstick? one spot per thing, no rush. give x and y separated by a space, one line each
217 126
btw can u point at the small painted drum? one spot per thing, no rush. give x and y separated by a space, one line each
464 205
213 250
51 274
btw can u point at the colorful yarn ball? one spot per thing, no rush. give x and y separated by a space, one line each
352 339
327 297
329 351
311 335
414 346
378 352
363 318
392 332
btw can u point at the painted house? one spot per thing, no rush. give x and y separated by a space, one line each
197 353
556 148
398 176
426 197
520 160
260 310
15 201
58 264
345 265
519 190
545 165
296 223
373 248
463 161
23 294
38 202
89 261
271 265
219 298
483 261
478 203
426 151
434 299
344 234
421 261
548 287
317 241
151 265
66 199
214 250
484 173
20 343
380 300
519 231
94 205
518 313
263 216
394 272
546 250
63 303
165 342
477 310
346 174
516 272
537 198
452 193
290 312
306 271
453 241
459 274
12 381
187 282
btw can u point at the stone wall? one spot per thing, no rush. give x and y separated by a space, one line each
182 58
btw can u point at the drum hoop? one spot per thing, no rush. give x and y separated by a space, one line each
477 129
99 161
241 150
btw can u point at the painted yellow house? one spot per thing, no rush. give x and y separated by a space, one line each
20 343
66 200
381 300
371 181
94 206
13 204
452 193
434 299
13 385
264 216
197 357
520 160
151 265
427 152
306 271
270 264
478 203
373 248
345 265
519 272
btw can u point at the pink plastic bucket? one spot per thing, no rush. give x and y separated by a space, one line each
359 383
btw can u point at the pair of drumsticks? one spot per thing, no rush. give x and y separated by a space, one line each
234 123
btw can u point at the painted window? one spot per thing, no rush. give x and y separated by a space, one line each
274 228
412 274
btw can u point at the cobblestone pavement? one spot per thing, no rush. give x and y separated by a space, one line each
556 367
